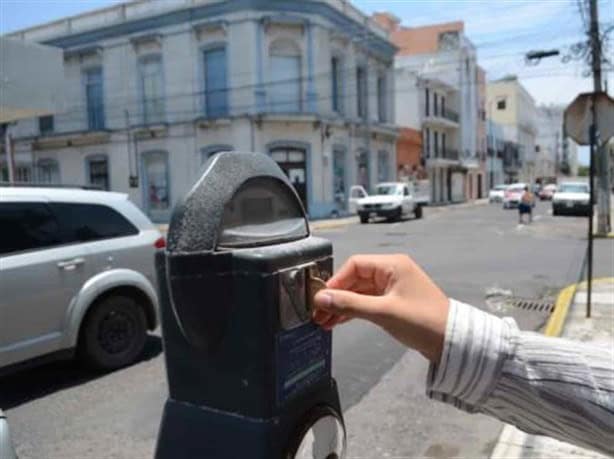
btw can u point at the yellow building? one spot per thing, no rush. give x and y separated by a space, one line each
510 105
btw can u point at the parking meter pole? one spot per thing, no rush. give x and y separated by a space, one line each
249 373
589 286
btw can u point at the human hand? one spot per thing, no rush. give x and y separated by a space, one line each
392 292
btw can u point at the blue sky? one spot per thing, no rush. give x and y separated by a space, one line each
502 31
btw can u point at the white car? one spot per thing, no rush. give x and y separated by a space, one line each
357 192
513 194
77 277
497 193
572 198
391 200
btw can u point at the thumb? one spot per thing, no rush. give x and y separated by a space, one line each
350 304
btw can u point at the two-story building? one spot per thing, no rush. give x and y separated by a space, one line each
153 89
510 105
436 76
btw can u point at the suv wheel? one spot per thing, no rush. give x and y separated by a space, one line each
113 334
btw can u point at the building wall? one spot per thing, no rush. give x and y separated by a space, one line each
186 130
517 119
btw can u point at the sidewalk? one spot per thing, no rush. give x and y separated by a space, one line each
597 330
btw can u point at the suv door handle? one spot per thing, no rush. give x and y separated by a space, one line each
69 265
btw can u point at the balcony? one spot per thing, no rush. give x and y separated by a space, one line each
442 118
450 115
447 154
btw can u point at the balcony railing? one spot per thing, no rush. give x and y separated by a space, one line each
450 115
447 153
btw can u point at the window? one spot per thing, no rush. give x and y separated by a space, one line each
443 143
339 186
48 171
45 124
156 179
443 106
405 191
98 172
90 222
208 152
27 226
361 92
427 142
435 111
501 104
362 170
285 89
94 98
536 148
436 143
381 98
152 89
336 85
23 174
383 166
216 82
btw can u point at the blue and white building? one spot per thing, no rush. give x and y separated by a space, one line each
154 88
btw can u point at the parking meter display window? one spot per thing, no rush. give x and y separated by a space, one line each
303 359
262 211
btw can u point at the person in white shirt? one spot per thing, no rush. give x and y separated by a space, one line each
479 362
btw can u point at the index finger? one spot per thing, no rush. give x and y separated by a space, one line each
358 272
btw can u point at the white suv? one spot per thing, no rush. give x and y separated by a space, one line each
76 277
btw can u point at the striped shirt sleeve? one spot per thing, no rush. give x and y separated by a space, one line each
544 386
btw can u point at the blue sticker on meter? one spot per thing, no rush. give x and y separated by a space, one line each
302 359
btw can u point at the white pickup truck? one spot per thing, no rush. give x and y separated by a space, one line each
394 200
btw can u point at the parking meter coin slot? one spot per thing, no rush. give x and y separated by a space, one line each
262 212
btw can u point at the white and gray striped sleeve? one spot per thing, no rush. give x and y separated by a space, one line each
544 386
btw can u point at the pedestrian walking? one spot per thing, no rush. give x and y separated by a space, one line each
526 205
480 363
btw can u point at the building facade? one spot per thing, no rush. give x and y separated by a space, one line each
437 79
156 88
495 155
510 105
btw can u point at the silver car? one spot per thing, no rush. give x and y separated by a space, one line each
76 277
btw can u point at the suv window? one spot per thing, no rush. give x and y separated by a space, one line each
27 226
406 191
90 222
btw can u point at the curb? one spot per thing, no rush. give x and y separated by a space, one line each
554 327
332 224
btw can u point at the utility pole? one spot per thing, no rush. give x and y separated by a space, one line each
603 201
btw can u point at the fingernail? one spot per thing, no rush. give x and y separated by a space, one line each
325 300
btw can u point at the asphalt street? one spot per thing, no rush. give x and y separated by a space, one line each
478 254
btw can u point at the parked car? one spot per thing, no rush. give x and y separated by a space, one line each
572 198
512 195
356 192
496 193
391 200
547 192
77 277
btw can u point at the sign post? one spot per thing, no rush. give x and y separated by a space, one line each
579 120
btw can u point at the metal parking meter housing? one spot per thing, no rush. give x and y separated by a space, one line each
249 373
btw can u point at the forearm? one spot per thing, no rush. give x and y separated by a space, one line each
545 386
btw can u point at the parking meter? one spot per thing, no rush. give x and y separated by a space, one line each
249 373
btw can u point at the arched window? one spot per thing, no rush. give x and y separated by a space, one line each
285 76
48 171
